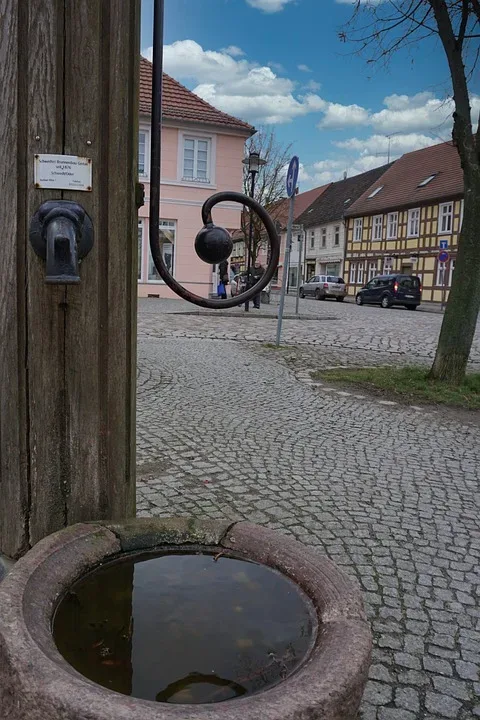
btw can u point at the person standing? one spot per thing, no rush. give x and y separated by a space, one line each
222 280
258 272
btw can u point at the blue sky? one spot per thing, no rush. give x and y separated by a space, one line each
279 63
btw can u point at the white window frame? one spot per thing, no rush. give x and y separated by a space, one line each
387 268
414 219
360 274
372 271
441 272
353 273
185 133
146 162
323 237
140 236
448 216
196 139
392 226
451 270
376 226
336 236
358 230
312 240
462 205
166 225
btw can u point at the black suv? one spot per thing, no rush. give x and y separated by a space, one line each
388 290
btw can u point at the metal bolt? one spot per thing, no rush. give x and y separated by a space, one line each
232 539
89 142
37 137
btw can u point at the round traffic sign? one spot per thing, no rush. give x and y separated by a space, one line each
292 176
443 256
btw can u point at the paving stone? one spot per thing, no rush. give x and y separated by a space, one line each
445 706
377 693
451 687
437 665
407 698
467 671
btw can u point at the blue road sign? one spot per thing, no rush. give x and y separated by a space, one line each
292 176
443 244
443 256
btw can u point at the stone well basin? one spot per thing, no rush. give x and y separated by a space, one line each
36 682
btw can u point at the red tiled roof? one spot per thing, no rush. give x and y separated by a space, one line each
179 103
279 211
400 184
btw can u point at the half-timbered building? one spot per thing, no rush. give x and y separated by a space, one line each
403 220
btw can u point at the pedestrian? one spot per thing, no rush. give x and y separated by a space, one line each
258 272
222 280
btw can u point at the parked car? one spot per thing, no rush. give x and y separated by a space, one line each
324 286
238 285
388 290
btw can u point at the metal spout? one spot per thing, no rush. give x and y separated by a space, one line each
62 253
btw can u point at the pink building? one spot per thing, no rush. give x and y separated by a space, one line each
202 153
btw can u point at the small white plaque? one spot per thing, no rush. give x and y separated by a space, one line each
63 172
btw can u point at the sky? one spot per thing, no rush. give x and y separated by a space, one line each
280 64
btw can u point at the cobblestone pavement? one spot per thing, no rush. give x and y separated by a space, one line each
225 430
342 326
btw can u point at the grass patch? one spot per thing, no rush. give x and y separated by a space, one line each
408 384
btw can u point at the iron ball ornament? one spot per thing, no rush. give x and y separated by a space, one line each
213 244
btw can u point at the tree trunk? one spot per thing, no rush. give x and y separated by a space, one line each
460 320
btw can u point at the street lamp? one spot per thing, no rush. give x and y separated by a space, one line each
253 162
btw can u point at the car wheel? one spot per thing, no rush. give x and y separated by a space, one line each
411 307
302 294
385 302
318 295
339 299
359 300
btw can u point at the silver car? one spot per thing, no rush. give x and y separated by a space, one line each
323 286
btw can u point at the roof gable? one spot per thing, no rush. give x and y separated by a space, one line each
279 211
332 205
182 104
405 183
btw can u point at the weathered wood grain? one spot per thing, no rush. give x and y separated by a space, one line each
69 74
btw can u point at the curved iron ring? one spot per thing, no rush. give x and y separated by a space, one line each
228 196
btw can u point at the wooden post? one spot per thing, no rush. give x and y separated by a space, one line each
69 85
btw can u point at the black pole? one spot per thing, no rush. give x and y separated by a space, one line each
156 128
250 236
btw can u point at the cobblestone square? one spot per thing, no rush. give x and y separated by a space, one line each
229 428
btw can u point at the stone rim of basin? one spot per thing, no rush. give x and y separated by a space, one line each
37 683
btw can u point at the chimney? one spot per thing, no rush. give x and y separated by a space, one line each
345 175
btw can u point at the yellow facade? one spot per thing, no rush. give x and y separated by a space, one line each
409 252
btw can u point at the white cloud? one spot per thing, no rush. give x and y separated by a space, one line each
341 116
237 86
269 6
312 85
304 68
381 144
233 50
420 113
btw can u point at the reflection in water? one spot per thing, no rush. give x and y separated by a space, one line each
183 691
184 628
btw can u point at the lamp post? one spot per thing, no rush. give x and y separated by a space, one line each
254 162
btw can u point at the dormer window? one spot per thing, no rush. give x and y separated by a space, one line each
427 180
375 192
